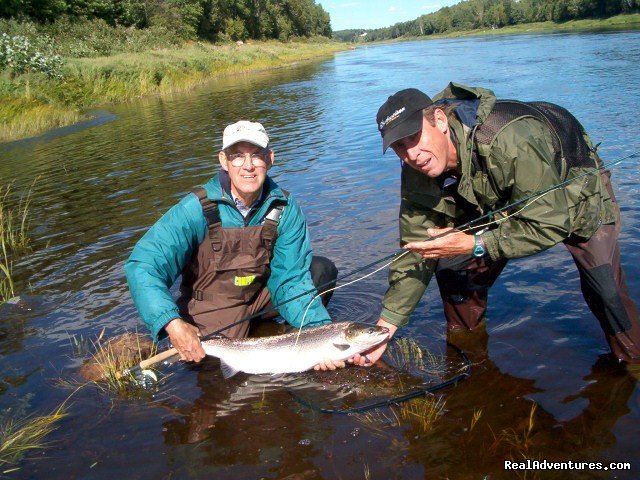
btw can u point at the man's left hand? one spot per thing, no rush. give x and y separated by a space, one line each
329 365
449 245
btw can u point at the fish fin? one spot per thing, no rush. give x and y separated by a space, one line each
227 370
342 346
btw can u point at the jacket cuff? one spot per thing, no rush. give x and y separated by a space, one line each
491 243
394 318
157 327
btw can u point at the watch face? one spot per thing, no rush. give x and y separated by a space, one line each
478 249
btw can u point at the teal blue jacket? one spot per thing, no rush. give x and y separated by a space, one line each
160 256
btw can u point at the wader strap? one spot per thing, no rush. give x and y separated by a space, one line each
198 295
212 215
271 220
270 229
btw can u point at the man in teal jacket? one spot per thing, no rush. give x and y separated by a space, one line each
241 245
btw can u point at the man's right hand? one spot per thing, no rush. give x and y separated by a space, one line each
366 359
185 338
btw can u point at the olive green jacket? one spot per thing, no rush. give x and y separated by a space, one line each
520 163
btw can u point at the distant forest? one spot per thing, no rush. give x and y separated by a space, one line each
483 14
205 19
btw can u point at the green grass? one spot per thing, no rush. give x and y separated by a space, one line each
14 238
420 413
110 359
31 104
19 436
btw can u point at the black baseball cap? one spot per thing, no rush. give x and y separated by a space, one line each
401 115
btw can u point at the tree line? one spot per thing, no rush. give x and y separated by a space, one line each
482 14
192 19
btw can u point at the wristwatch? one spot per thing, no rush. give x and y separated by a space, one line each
479 249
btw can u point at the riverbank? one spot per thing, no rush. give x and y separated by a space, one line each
617 23
611 24
31 104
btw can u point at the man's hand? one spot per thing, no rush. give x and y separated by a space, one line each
372 356
186 339
450 245
330 365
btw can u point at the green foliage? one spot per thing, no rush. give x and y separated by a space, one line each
187 19
18 55
491 14
79 37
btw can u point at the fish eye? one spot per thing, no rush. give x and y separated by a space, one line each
371 331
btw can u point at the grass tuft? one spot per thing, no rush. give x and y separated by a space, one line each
14 238
18 437
420 413
517 443
112 357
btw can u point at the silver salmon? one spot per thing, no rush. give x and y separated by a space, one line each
296 351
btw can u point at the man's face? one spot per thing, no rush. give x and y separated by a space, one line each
248 178
428 150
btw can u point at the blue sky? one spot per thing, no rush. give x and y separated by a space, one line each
378 13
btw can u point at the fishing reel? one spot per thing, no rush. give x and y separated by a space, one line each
144 378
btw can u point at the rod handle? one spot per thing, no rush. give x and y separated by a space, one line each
157 358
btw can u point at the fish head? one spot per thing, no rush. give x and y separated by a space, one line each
364 335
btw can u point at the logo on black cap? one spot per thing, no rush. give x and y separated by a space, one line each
401 115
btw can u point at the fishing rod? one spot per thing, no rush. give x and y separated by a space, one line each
140 368
145 364
540 193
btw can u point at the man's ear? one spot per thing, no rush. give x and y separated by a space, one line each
442 123
272 159
222 158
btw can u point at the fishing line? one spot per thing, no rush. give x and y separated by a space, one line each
404 252
534 196
399 253
394 256
471 225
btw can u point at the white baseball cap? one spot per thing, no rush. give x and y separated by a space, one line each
245 131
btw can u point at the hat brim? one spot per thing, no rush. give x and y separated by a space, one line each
262 143
409 126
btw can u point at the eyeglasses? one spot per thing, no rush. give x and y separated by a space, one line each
258 159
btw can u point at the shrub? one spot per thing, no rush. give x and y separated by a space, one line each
19 55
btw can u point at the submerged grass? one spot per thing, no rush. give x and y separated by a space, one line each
14 238
32 103
18 437
419 413
517 443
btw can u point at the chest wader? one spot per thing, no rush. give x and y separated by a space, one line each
465 281
226 277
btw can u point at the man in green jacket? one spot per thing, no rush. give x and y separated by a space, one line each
464 154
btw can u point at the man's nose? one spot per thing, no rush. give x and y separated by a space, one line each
248 163
412 153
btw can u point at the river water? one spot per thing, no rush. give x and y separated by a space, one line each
100 185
